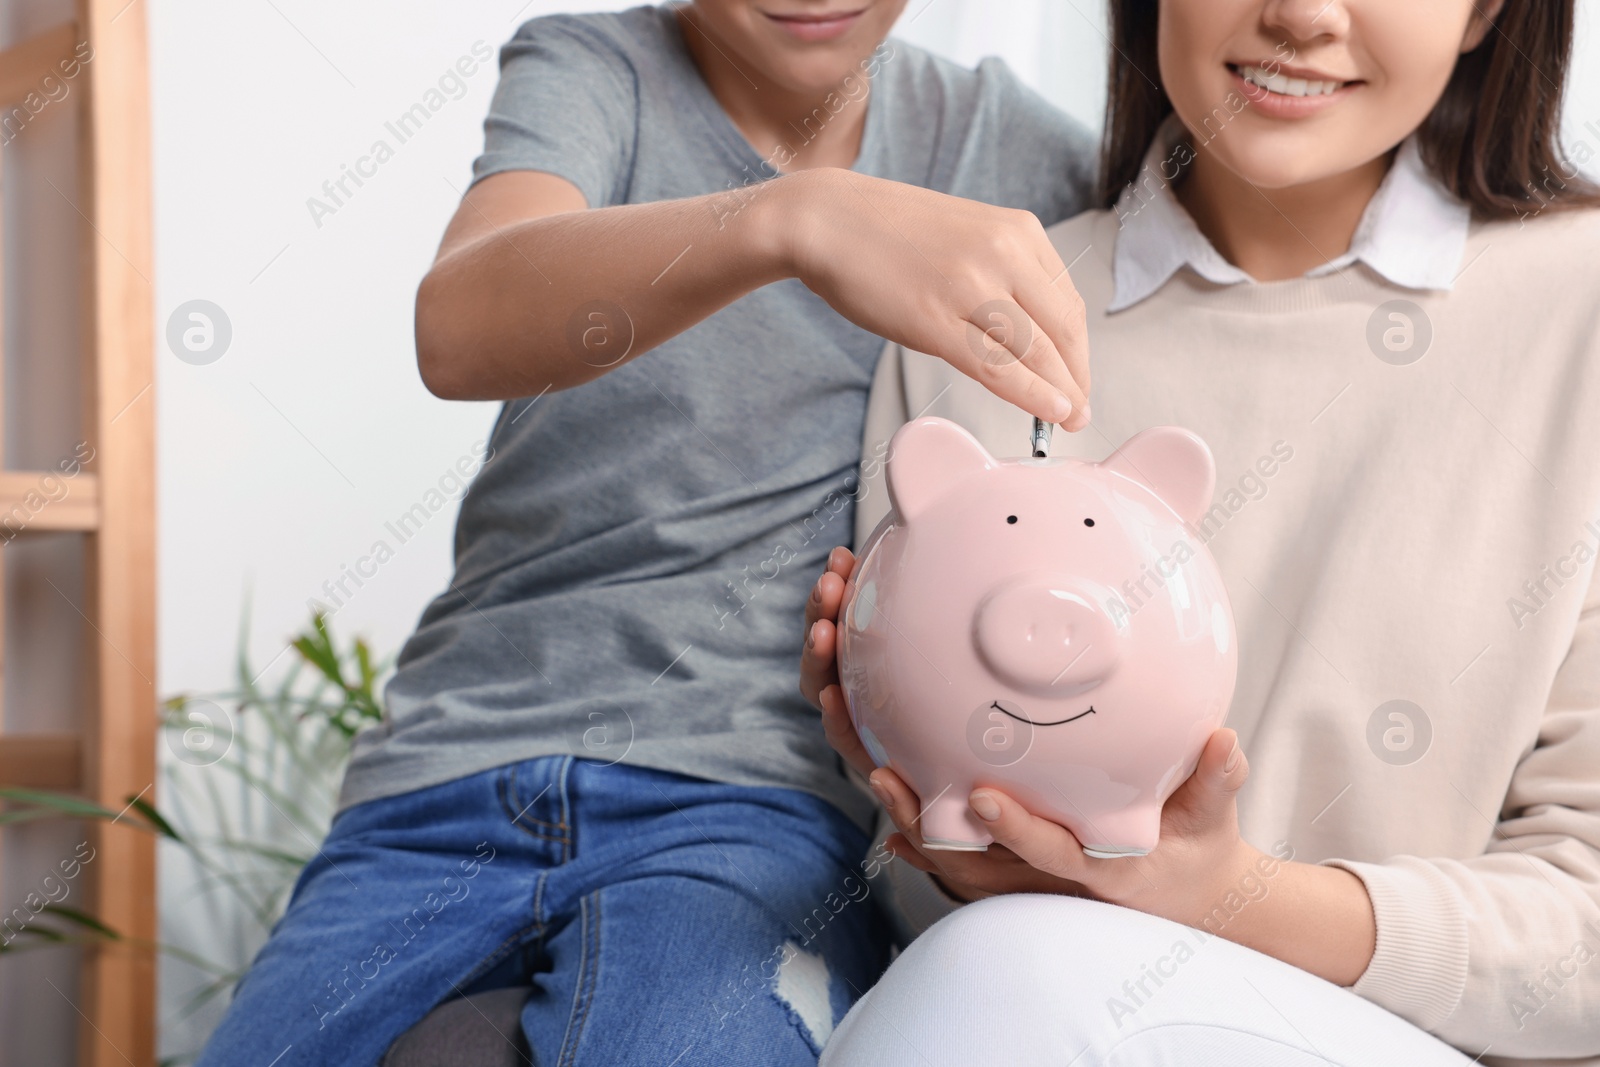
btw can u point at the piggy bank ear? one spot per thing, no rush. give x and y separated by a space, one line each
1175 464
928 458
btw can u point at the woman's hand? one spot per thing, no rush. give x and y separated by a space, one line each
1200 846
978 286
1199 858
1201 873
819 666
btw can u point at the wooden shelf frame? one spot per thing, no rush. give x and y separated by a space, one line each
26 507
112 502
42 761
23 66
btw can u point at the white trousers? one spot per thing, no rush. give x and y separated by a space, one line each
1030 980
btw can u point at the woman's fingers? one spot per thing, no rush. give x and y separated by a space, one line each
898 800
841 732
969 875
818 668
905 810
952 883
963 873
823 603
1225 765
905 849
1040 843
1209 797
827 593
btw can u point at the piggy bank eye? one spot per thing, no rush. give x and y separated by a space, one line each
1088 522
1012 519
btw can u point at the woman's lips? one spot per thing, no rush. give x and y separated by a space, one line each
821 27
1282 106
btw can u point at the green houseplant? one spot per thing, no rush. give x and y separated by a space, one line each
246 796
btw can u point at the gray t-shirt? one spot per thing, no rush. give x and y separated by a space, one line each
633 560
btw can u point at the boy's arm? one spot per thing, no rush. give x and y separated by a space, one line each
531 289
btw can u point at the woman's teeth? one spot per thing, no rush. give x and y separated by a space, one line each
1277 83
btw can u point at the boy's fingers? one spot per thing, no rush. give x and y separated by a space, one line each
1074 345
842 561
1045 361
1059 353
998 339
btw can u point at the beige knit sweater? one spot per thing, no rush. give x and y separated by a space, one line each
1398 529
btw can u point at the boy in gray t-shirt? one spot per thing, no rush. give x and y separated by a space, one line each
597 773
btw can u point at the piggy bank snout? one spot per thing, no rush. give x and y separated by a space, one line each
1046 635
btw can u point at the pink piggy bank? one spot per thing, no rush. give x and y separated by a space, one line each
1049 627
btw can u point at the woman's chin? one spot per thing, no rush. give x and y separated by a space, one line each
1271 164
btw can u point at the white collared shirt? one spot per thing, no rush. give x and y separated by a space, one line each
1412 233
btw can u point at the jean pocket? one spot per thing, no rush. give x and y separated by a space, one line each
533 795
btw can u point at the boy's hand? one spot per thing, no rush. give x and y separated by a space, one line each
980 287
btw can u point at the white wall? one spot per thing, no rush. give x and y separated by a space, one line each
281 461
1057 46
1581 125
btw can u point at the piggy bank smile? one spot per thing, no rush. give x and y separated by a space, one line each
1023 718
1002 597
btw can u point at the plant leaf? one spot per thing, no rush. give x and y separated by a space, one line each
35 937
84 919
156 819
61 804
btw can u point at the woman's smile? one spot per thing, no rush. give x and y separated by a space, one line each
1276 78
1282 92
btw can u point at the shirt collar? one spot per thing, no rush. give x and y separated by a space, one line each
1413 233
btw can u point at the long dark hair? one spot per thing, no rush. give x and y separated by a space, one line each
1493 139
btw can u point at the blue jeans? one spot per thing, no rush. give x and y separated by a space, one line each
656 916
